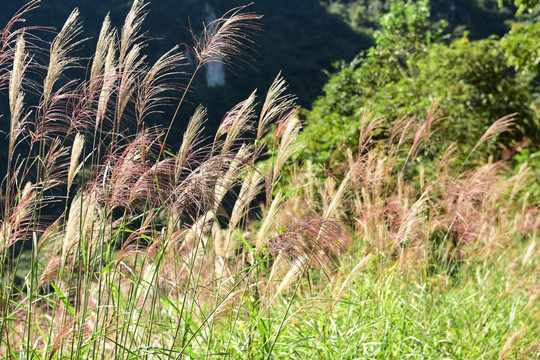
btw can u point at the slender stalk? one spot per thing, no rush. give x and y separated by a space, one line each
176 112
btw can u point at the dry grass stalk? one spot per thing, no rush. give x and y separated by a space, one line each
76 150
269 223
130 33
59 59
503 124
159 79
109 80
277 104
226 38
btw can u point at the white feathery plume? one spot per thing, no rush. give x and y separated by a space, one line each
76 150
109 79
237 122
296 270
106 35
250 188
274 105
128 81
288 145
269 221
191 135
130 31
16 96
59 60
230 175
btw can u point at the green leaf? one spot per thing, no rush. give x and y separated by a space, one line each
63 298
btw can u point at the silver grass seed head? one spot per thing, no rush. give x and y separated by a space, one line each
128 82
130 33
269 222
275 104
19 66
59 61
76 150
104 39
109 80
192 133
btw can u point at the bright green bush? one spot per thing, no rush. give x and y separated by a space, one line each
410 68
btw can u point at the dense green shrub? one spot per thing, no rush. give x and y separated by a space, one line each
410 68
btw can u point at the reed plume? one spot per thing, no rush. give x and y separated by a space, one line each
16 95
314 238
59 60
501 125
20 63
9 36
130 34
251 187
190 141
109 80
106 35
227 38
159 80
269 223
287 130
76 150
277 104
237 121
130 70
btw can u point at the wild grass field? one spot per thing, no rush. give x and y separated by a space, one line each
118 242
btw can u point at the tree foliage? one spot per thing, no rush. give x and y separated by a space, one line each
412 66
523 5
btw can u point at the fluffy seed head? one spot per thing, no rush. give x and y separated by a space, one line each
131 29
106 35
19 66
275 105
76 150
226 38
61 46
109 80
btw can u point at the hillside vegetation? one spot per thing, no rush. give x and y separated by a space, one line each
398 218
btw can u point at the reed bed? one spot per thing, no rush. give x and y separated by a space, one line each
115 245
